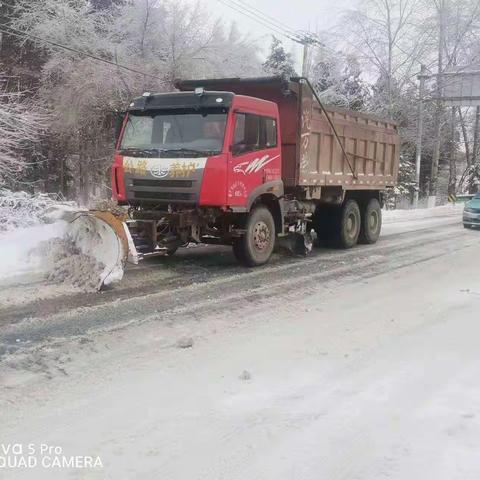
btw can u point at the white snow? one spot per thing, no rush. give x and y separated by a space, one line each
96 240
17 248
362 379
402 221
22 210
74 248
390 216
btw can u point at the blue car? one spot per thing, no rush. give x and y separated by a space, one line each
471 212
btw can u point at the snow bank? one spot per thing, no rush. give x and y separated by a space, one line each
22 229
39 235
393 216
17 247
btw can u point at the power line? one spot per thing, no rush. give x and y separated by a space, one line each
267 17
252 15
17 33
307 39
271 23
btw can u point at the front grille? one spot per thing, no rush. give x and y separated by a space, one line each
165 195
143 182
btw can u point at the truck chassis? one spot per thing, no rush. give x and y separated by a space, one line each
253 234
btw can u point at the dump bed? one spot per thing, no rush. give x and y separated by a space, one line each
311 152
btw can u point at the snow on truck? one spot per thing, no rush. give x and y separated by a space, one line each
244 162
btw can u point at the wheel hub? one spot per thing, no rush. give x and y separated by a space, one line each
261 235
351 225
373 221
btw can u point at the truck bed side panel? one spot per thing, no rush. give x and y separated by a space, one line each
372 147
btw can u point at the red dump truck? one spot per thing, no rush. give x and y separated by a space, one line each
247 162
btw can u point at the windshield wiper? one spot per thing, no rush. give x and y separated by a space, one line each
191 151
165 151
185 150
141 151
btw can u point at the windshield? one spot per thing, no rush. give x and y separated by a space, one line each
477 196
191 131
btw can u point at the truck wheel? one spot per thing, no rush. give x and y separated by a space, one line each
371 222
256 246
346 225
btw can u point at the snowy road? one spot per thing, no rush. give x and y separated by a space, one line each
359 364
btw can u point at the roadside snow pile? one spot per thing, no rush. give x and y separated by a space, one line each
42 237
18 246
393 216
22 229
64 262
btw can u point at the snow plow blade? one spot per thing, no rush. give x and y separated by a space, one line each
102 236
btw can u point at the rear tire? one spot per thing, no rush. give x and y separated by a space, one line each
465 225
346 225
371 222
256 246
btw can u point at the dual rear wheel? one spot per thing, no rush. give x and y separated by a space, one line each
346 225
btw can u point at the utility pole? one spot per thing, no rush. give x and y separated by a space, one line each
306 39
452 178
439 109
474 161
305 44
418 161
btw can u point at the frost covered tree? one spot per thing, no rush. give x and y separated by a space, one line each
392 39
337 77
103 4
352 86
21 124
279 62
389 37
163 40
406 183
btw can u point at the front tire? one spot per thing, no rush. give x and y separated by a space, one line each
371 222
256 246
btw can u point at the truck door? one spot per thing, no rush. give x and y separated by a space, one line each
255 157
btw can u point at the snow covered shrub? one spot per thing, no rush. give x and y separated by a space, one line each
405 186
20 209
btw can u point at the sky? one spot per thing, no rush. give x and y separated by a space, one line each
298 15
